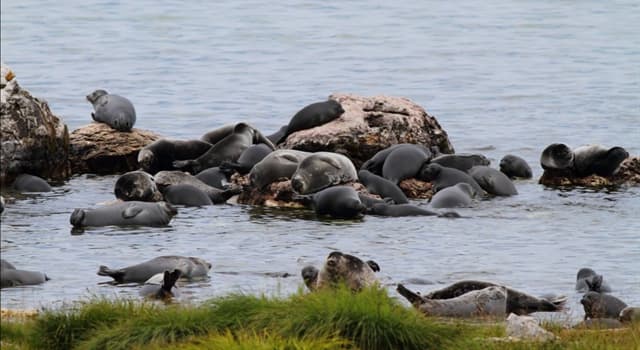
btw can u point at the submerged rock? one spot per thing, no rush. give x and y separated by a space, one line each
627 174
371 124
34 140
99 149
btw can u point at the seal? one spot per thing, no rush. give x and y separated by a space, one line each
630 314
165 289
276 136
124 214
404 163
518 302
489 301
187 195
228 149
458 195
250 157
113 110
12 277
443 177
190 267
321 170
515 167
6 265
30 183
216 135
493 181
137 186
160 154
177 177
213 177
369 201
598 160
384 188
277 165
1 204
461 161
313 115
588 280
558 158
398 210
338 202
600 305
340 268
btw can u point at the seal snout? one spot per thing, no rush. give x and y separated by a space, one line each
297 184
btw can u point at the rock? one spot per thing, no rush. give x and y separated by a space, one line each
97 148
416 189
628 174
370 124
527 328
34 140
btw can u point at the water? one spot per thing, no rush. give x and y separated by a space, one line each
500 78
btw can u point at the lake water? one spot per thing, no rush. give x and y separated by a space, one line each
500 77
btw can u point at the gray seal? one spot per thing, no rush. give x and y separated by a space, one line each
187 195
404 163
321 170
341 268
493 181
190 267
518 302
313 115
216 135
277 165
30 183
338 202
160 154
515 167
278 135
137 186
489 301
398 210
228 149
458 195
461 161
176 177
165 289
598 160
12 277
125 214
113 110
588 280
249 157
443 177
213 177
600 305
375 163
384 188
557 158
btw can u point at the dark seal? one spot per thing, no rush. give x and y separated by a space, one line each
190 267
338 202
30 183
515 167
313 115
384 188
600 305
161 154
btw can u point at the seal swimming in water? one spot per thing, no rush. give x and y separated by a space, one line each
164 289
279 164
404 163
321 170
443 177
113 110
12 277
340 202
124 214
341 268
160 154
384 188
600 305
493 181
137 186
461 161
176 177
187 195
588 280
190 268
489 301
249 157
515 167
30 183
458 195
313 115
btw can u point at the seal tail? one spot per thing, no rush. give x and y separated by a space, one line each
117 275
414 298
168 282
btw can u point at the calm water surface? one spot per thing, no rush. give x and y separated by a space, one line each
500 77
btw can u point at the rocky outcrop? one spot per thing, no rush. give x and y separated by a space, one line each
34 140
370 124
97 148
628 174
527 328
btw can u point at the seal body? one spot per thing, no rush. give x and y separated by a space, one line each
12 277
588 280
493 181
404 163
165 289
190 268
600 305
250 157
348 269
313 115
461 161
213 177
384 188
216 135
125 214
375 163
278 135
397 210
161 154
598 160
338 202
489 301
558 158
443 177
113 110
629 314
177 177
458 195
30 183
137 186
280 164
187 195
321 170
515 167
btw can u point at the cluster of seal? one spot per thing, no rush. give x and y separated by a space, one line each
113 110
559 160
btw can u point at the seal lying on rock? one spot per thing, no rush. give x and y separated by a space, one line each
125 214
515 167
321 170
443 177
311 116
137 186
280 164
30 183
177 177
559 159
213 177
341 268
405 163
161 154
164 288
384 188
588 280
12 277
600 305
489 301
113 110
190 268
250 157
376 163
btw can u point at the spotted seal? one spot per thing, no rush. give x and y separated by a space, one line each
600 305
190 267
321 170
137 186
113 110
341 268
489 301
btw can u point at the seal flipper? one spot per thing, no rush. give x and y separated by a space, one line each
117 275
131 212
373 265
168 282
93 116
224 195
414 299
